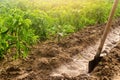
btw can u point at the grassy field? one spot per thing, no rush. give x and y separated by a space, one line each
24 22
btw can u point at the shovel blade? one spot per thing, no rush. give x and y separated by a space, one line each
93 63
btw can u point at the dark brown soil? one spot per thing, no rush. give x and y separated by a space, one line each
109 65
47 56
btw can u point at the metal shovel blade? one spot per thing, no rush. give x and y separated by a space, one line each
93 63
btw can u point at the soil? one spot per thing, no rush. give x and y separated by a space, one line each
107 69
46 57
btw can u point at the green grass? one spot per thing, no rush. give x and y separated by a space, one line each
23 22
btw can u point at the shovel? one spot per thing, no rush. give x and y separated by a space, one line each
93 63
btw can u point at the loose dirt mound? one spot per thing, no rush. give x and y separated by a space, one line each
109 65
47 56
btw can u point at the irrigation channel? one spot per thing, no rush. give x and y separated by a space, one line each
79 65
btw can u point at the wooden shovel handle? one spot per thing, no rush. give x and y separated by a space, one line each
107 28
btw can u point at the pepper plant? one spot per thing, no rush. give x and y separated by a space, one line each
16 34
